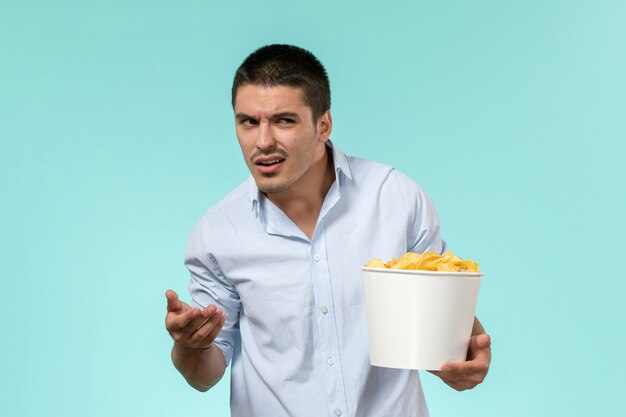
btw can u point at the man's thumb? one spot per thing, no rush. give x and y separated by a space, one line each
173 303
483 341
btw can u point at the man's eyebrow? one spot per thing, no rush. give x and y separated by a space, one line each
290 114
242 116
285 114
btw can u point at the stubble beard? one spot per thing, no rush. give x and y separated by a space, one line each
274 188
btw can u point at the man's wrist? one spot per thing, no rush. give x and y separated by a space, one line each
185 348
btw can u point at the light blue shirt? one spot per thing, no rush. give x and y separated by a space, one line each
296 328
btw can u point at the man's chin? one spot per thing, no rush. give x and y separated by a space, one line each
268 187
272 190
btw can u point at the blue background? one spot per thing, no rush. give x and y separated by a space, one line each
116 134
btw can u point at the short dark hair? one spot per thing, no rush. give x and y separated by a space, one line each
289 65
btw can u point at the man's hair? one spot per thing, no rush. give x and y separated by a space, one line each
289 65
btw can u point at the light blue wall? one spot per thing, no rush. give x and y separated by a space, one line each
116 135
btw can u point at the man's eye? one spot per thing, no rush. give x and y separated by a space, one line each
248 122
285 121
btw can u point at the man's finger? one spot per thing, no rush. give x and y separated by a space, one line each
479 348
470 365
176 322
173 303
218 327
453 367
203 317
483 341
209 327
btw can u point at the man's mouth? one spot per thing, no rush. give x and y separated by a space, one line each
272 162
269 165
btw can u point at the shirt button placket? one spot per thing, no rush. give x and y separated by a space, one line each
329 343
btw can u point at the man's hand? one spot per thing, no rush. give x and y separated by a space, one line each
192 328
468 374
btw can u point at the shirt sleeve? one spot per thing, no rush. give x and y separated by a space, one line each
424 232
208 285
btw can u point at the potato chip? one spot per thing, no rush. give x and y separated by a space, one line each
448 267
409 260
471 265
375 263
427 261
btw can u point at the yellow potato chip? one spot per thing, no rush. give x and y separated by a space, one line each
430 260
375 263
409 260
471 265
391 263
427 261
447 267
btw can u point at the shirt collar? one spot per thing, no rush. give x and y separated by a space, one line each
340 160
254 195
342 168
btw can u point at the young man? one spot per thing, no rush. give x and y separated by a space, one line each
275 265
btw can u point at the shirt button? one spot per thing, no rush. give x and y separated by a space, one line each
330 362
317 257
324 309
338 412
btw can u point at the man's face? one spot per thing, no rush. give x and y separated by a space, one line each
279 139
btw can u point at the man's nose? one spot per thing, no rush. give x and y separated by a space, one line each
265 137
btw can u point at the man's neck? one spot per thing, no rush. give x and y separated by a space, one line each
302 204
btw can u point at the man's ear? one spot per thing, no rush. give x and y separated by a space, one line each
324 126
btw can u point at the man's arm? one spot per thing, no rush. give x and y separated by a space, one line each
194 330
468 374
